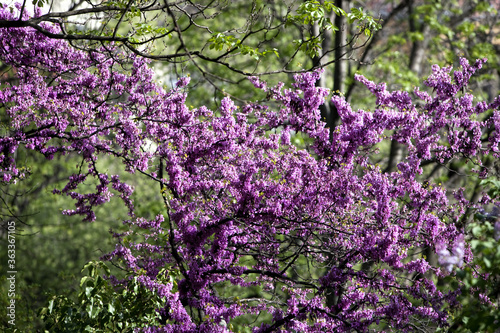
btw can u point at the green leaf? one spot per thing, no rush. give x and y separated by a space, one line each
84 280
51 305
39 3
88 291
487 262
477 230
111 308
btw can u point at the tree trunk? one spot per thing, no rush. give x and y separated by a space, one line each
328 111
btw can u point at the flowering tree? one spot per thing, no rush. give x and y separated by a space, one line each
319 239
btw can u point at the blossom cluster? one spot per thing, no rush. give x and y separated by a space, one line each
333 243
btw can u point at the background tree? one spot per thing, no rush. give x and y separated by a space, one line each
417 34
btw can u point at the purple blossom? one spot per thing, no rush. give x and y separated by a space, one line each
257 82
183 82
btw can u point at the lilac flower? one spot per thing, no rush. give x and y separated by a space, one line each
257 82
183 82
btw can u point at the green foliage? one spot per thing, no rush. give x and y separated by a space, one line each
40 3
219 42
310 12
315 12
486 6
480 279
102 307
365 23
494 187
51 248
145 29
311 46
